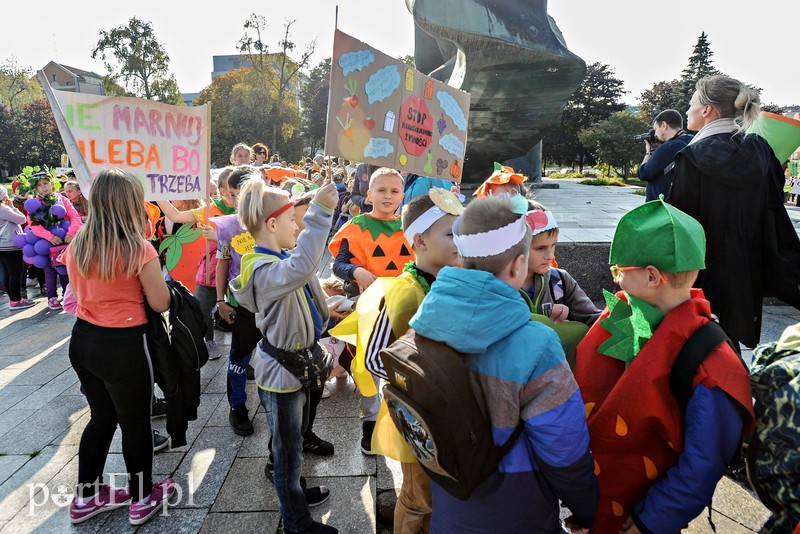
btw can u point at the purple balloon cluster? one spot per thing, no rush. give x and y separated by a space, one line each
36 250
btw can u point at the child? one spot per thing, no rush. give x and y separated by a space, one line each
241 154
368 246
10 254
72 190
520 373
205 282
502 182
657 467
282 290
114 270
428 226
42 186
553 292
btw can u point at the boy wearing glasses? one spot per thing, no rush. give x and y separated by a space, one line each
657 466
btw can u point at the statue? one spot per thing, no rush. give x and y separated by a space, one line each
511 57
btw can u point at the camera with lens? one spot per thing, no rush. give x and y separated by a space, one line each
650 137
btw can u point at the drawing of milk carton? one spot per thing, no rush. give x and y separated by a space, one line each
388 121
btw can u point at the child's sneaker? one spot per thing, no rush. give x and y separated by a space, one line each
143 510
213 350
104 500
20 304
53 303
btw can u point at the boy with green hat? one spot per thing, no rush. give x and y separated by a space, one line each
657 466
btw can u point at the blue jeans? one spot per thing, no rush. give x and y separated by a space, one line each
287 416
237 379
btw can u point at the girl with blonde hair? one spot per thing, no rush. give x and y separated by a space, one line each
114 271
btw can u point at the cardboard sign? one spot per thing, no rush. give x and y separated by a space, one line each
165 146
384 112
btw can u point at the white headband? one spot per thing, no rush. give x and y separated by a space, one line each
541 221
490 243
423 222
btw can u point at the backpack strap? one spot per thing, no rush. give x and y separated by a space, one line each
505 447
694 352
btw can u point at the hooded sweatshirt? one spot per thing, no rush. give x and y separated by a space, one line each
280 290
521 373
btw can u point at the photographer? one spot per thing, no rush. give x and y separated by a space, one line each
667 139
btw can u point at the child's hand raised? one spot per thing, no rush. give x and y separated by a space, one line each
327 195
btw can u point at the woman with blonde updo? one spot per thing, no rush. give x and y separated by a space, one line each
732 183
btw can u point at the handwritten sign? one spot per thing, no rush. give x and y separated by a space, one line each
384 112
165 146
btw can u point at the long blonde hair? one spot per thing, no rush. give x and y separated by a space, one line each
113 237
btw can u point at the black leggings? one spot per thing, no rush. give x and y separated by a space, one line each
116 373
12 272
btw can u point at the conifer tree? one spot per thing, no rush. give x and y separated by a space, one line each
699 65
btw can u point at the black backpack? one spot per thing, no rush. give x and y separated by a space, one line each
432 402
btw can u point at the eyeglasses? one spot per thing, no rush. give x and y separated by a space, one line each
616 273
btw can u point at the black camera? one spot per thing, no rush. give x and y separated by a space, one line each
650 137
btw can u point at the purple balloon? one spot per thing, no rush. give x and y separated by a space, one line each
30 237
58 211
65 224
28 260
28 250
62 270
19 240
42 247
32 205
41 261
60 232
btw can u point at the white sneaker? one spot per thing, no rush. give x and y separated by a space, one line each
213 350
327 389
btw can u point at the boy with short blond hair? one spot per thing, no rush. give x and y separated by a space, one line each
520 374
657 462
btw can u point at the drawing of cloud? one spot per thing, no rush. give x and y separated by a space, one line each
452 144
355 61
452 109
378 147
382 84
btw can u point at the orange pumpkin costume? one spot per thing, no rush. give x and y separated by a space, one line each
377 245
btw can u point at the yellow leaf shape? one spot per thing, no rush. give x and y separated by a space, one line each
616 508
650 468
622 427
589 407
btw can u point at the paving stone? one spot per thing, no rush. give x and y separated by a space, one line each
175 520
351 507
205 467
65 383
348 460
164 465
50 513
733 501
39 372
16 491
9 465
343 402
256 445
11 395
247 489
390 474
45 425
10 419
223 523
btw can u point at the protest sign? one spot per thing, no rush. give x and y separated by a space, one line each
384 112
165 146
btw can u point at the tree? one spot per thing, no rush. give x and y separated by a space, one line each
18 86
287 83
610 140
133 55
699 65
658 98
597 98
408 59
314 100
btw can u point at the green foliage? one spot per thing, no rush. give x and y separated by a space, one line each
133 55
314 98
658 98
700 65
408 59
604 181
598 96
18 86
610 140
29 134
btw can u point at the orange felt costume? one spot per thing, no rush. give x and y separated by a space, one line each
502 175
377 245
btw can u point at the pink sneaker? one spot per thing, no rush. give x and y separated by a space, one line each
104 500
143 510
20 304
53 303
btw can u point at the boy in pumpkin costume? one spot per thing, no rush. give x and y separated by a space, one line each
369 246
382 316
657 467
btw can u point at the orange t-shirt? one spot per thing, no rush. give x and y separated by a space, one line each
117 303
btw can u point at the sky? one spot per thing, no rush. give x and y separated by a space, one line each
644 43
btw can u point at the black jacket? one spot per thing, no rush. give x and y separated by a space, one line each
178 351
658 170
733 185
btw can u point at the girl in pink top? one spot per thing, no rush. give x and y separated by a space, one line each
114 270
43 188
